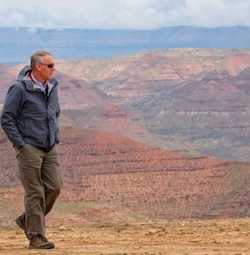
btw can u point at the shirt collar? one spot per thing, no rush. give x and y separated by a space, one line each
37 83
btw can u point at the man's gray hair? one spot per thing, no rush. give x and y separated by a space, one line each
37 57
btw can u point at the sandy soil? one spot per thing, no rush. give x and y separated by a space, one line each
193 237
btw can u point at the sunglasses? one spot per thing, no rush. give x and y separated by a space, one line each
48 65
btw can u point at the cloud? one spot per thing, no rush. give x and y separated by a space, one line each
207 13
120 14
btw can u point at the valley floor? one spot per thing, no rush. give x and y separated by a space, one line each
187 237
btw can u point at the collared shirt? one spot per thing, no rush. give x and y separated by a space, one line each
38 83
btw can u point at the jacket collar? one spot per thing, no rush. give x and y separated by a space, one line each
25 78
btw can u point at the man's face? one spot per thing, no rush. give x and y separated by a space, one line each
46 68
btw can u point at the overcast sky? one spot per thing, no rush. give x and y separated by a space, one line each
124 14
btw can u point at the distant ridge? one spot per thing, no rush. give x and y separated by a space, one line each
73 44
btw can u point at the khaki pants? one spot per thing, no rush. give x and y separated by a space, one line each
40 175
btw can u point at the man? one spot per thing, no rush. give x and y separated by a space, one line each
30 120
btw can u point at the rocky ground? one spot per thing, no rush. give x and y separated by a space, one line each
189 237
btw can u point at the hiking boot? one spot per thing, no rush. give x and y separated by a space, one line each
20 221
39 242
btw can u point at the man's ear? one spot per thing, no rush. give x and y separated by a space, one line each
38 67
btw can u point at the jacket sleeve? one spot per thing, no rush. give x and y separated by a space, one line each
12 105
57 136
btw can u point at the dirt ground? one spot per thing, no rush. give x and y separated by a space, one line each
192 237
